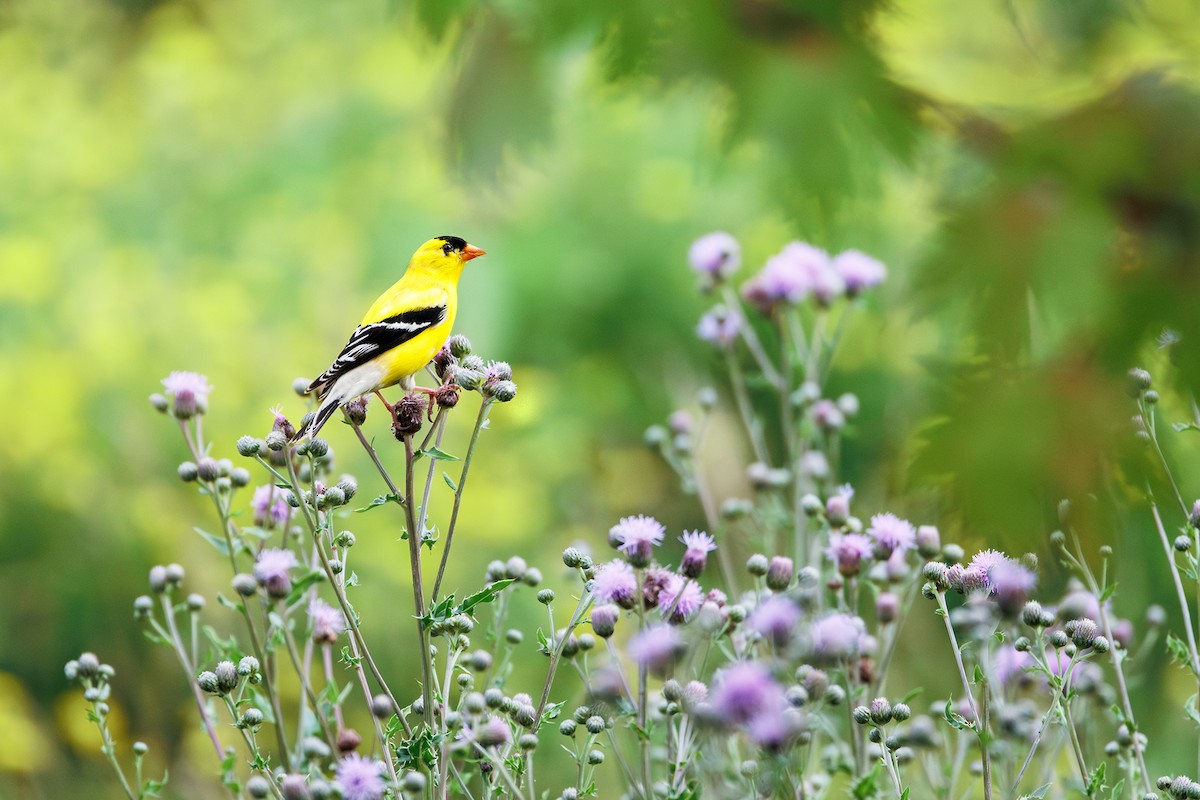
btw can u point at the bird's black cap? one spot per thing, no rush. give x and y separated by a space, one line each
456 242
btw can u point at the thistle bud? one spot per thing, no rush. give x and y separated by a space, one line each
779 573
407 416
758 565
604 620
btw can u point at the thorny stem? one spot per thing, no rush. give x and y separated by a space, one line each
480 419
962 674
414 557
190 669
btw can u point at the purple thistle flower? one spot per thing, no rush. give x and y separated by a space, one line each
680 598
715 256
773 728
779 281
744 690
695 557
360 778
891 534
656 581
495 732
720 326
615 583
270 509
776 619
837 637
655 646
848 551
859 271
1010 584
637 536
327 621
190 391
825 283
271 570
1010 664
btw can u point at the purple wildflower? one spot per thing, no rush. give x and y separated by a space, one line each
848 551
715 256
825 284
190 391
779 281
744 690
271 570
637 536
859 271
327 621
837 637
604 620
720 326
1010 664
827 416
360 778
891 534
270 509
1010 584
776 619
695 557
493 733
615 583
774 728
656 646
680 598
657 579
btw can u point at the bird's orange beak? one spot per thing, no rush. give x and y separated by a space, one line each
471 251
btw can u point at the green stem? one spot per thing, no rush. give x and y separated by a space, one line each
480 419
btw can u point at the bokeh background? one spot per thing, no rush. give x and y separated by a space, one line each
224 186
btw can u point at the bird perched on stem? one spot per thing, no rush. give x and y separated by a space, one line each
403 330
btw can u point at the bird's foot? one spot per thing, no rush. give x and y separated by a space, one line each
386 404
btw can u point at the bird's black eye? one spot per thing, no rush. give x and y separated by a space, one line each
446 248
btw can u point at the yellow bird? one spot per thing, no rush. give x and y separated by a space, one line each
403 330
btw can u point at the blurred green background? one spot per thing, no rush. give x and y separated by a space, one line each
224 186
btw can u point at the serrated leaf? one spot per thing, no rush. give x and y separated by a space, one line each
382 500
302 584
218 542
955 719
1096 779
1037 794
864 787
437 454
485 595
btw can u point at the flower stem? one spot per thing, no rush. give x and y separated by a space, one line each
480 419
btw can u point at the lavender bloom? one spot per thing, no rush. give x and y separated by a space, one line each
781 280
271 571
773 729
827 416
327 621
720 326
891 534
838 637
1010 665
776 619
715 256
655 647
1010 585
699 545
190 391
745 690
615 583
637 536
270 509
604 620
825 284
493 733
848 551
680 598
360 778
815 465
859 271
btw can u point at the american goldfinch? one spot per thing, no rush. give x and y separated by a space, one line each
402 331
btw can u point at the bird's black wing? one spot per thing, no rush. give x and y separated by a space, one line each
369 341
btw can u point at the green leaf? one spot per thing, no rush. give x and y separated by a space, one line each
1096 779
301 586
264 705
955 719
1179 650
864 787
904 794
1108 592
450 482
383 499
437 455
218 542
485 595
1180 427
1037 794
977 676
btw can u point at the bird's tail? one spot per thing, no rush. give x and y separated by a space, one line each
329 405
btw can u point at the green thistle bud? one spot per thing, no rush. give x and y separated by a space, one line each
276 441
248 446
188 472
160 403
